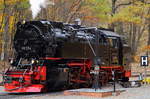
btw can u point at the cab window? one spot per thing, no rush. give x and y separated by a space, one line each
103 40
113 42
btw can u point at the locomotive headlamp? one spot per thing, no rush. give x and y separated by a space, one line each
11 61
23 22
32 61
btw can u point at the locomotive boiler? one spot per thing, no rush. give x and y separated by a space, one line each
54 55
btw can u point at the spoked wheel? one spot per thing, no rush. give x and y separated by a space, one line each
75 86
89 81
103 78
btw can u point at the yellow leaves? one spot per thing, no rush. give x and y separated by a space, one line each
1 24
91 18
11 23
136 20
136 58
135 13
146 48
89 1
11 1
85 9
147 16
18 3
135 9
126 18
100 9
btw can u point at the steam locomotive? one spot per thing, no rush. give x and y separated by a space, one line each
54 55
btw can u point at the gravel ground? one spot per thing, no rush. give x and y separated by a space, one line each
130 93
142 92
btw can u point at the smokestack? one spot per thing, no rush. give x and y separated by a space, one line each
77 21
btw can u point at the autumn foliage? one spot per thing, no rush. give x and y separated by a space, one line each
130 18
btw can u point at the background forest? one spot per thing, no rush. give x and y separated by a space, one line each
130 18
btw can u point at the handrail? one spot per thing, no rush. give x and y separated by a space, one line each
19 62
21 78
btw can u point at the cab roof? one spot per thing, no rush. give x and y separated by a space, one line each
110 33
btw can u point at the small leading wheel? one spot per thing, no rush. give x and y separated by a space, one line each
126 84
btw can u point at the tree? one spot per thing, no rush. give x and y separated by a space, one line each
10 15
134 18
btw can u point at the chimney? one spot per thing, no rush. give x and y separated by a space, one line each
77 21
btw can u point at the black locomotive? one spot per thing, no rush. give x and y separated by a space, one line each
64 55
